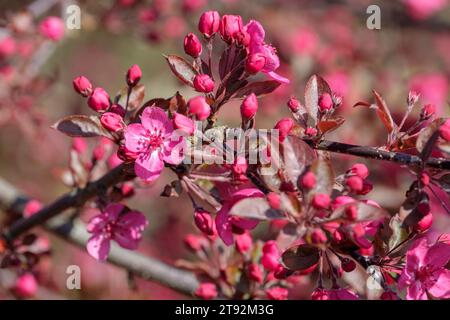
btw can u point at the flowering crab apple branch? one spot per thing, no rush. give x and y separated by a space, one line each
73 231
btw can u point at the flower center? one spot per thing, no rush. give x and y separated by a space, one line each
151 141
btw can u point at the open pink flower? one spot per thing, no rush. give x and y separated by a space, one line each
155 142
425 271
115 223
226 224
257 45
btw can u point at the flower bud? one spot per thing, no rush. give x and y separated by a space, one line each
126 155
293 104
425 223
208 23
277 293
244 242
340 201
204 221
192 45
99 100
199 107
52 28
348 265
270 247
207 291
281 272
351 212
367 187
255 273
425 179
31 208
321 201
360 170
230 26
134 75
284 126
274 200
354 183
249 107
203 83
79 145
325 102
427 111
255 63
444 130
112 121
82 85
26 286
7 47
318 236
183 123
308 180
193 242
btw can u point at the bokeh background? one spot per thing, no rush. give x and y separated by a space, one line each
330 38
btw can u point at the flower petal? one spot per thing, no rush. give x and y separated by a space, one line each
98 246
416 292
155 119
255 31
97 223
113 211
134 133
223 225
149 166
438 255
441 289
173 150
275 76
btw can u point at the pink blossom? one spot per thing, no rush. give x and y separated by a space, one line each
26 286
114 223
226 224
257 45
52 28
32 207
425 271
154 142
207 291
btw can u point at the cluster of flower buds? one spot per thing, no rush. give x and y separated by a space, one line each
356 179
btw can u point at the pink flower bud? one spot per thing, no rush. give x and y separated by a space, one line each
274 200
208 23
193 242
230 26
325 102
199 107
321 201
52 28
192 45
318 236
348 265
26 286
79 145
360 170
31 208
428 111
284 126
127 190
126 155
203 83
308 180
255 63
183 123
310 131
270 247
281 272
82 85
134 75
112 121
99 100
244 242
293 104
277 293
7 47
270 256
425 223
425 179
340 201
249 107
207 291
204 221
117 109
255 273
351 213
367 187
354 183
444 130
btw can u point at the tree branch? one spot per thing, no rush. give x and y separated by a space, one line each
75 232
75 198
377 154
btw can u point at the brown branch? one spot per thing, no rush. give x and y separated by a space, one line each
377 154
75 232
